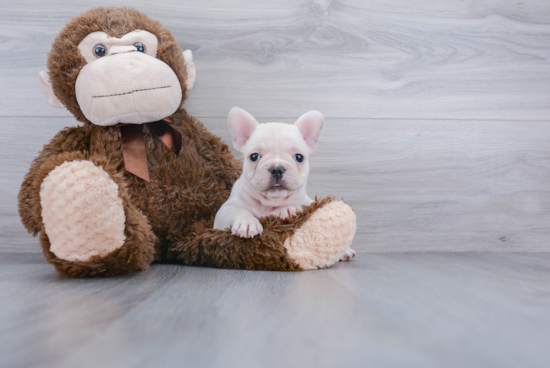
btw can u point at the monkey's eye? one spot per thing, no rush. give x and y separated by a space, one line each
100 50
254 157
298 157
139 46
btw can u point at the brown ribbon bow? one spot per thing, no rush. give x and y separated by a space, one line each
133 144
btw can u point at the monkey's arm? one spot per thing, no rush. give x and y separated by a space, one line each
68 140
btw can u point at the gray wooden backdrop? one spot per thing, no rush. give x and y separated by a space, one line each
437 112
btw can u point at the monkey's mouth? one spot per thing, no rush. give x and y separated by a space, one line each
116 90
134 91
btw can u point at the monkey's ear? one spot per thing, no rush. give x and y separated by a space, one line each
190 66
46 85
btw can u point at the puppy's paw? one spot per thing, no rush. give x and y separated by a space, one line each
350 253
247 227
287 212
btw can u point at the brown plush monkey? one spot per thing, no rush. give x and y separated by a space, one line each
141 180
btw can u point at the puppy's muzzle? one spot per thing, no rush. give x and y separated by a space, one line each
277 172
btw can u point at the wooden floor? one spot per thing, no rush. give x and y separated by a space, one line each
380 310
437 132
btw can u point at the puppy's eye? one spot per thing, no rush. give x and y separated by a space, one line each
139 46
100 50
254 157
299 157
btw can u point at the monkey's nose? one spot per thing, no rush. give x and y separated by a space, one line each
277 171
121 49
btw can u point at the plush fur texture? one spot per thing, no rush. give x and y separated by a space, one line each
139 98
263 252
141 244
65 62
322 241
82 212
170 218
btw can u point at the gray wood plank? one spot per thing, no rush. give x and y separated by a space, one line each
352 58
383 310
414 185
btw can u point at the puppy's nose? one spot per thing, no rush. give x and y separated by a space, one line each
277 171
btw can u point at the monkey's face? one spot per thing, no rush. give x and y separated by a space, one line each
116 65
123 81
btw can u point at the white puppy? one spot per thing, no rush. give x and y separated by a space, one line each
275 170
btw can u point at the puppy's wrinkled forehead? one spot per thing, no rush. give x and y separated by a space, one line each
277 135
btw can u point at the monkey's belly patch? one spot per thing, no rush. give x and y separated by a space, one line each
82 212
134 91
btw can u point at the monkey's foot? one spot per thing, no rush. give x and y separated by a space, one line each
325 238
82 211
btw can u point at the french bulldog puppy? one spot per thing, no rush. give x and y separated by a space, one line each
275 171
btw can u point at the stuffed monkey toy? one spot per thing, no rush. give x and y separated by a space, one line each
140 180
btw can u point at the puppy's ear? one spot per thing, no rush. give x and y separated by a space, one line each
241 125
310 125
